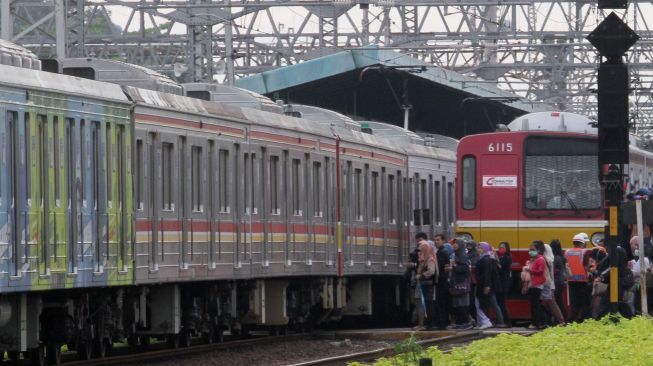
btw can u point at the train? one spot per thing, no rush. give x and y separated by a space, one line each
133 208
537 180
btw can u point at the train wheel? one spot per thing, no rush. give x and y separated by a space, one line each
101 348
37 356
173 341
209 336
53 353
219 335
84 351
186 339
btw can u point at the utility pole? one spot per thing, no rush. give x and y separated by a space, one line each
612 38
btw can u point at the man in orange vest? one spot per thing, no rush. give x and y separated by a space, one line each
579 290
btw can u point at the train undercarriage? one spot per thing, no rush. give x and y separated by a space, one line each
91 321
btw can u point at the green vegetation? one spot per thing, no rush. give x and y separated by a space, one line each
610 341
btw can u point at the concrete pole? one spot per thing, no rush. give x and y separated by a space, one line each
6 20
229 47
60 21
642 257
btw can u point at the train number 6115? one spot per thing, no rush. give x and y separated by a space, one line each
499 147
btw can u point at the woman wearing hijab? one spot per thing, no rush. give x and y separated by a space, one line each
460 282
482 321
549 287
427 273
505 279
487 277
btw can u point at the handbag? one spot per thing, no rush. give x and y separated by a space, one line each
460 288
599 288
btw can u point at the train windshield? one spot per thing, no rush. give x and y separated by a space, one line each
561 174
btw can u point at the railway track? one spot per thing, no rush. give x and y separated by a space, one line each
178 353
446 343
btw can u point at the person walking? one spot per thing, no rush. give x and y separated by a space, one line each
577 282
505 280
487 277
460 285
482 321
427 274
549 288
560 276
536 269
442 297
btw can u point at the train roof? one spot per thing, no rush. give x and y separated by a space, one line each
46 81
553 121
14 55
230 94
115 72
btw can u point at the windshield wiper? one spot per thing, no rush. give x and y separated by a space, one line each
565 195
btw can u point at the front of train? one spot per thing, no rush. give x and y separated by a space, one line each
539 181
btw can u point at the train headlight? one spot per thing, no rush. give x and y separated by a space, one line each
597 237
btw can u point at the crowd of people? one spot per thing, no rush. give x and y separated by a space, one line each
460 284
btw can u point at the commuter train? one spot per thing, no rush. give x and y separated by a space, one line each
131 211
540 181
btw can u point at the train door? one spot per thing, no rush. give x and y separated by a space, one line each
197 216
499 197
183 181
154 177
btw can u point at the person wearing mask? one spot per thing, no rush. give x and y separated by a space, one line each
633 297
560 276
427 274
536 269
442 297
625 281
487 278
478 315
579 291
411 273
549 287
460 284
505 280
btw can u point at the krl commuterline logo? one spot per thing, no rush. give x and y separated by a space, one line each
495 181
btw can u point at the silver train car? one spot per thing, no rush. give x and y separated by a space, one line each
129 213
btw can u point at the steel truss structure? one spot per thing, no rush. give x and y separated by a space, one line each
536 48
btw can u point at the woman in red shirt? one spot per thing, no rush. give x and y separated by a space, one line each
536 268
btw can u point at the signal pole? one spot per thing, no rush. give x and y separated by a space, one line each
612 38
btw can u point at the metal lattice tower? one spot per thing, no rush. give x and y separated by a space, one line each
536 49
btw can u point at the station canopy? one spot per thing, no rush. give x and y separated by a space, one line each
372 84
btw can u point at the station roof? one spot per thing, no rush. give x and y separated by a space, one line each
368 84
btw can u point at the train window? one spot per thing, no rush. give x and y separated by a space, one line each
445 202
469 183
166 175
452 202
249 183
196 184
358 187
28 161
317 192
138 190
108 143
438 202
56 160
375 197
561 174
391 199
95 151
327 185
295 188
70 163
42 156
274 185
82 157
223 186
